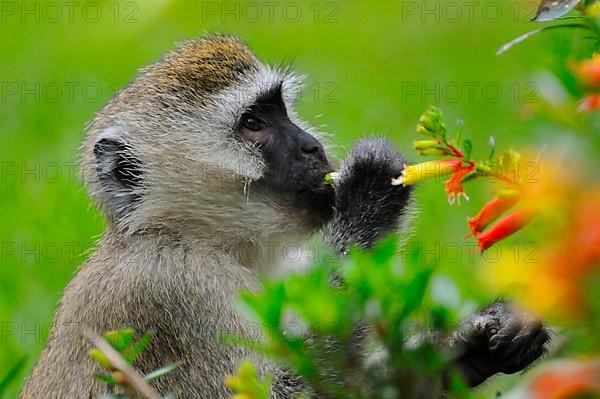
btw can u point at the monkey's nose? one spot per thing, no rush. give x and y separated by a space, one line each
310 149
310 146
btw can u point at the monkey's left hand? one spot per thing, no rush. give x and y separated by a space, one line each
499 339
367 206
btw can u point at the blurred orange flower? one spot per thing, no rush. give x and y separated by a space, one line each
588 72
549 278
565 379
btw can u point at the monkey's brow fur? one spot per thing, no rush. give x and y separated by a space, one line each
204 67
188 228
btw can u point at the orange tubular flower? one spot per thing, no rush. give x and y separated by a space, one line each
490 212
504 228
454 186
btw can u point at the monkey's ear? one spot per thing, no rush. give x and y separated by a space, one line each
118 171
115 161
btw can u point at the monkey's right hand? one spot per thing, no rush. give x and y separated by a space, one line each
367 205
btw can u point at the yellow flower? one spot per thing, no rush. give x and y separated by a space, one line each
416 173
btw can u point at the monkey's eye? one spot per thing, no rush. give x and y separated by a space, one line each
252 122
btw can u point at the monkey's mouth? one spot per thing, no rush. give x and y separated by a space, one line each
303 191
322 183
320 188
318 199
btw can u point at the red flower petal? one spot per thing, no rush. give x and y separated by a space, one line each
504 228
490 212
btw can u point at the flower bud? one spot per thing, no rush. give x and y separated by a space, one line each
429 147
431 123
425 144
433 151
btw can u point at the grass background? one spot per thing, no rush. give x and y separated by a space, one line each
360 58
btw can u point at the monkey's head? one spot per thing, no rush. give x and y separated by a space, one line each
206 141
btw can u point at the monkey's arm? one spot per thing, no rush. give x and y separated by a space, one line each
496 339
367 206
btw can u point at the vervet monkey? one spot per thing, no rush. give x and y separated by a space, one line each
199 162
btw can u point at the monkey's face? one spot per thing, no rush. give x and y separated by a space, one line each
295 161
206 142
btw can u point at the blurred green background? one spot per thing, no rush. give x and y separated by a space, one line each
372 67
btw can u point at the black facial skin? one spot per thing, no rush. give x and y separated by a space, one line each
296 161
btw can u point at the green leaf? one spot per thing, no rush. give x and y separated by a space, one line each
384 251
415 291
458 135
12 374
268 304
469 176
442 318
431 123
156 374
458 387
99 357
248 384
467 149
552 9
133 352
107 379
120 339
